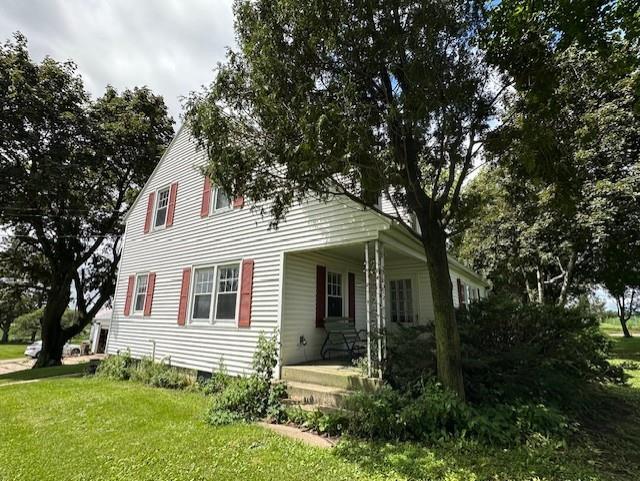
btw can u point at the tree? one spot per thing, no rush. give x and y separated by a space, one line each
72 166
570 136
27 326
354 98
13 303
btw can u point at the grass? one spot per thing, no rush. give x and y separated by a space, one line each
611 325
12 351
43 373
104 430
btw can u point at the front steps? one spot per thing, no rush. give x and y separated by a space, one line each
324 386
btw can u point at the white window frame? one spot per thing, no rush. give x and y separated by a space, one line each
212 320
156 204
414 305
215 319
343 276
192 296
135 292
214 200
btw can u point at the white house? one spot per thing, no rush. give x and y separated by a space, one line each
201 276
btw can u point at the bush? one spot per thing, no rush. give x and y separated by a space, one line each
158 374
431 413
252 397
511 351
116 367
218 381
530 351
122 367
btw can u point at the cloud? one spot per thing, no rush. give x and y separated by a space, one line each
171 46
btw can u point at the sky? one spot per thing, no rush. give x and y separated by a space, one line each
172 46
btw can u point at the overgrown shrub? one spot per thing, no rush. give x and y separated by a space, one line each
530 351
122 367
116 367
511 351
431 413
158 374
331 423
218 381
252 397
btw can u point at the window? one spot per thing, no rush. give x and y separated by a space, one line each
227 292
141 293
220 200
334 294
401 298
202 293
162 205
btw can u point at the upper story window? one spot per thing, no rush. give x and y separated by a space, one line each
140 292
334 294
162 206
220 200
401 300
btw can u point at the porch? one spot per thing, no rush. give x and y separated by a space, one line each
376 285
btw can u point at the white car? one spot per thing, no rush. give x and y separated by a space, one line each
33 350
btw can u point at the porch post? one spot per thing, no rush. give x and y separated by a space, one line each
379 255
367 302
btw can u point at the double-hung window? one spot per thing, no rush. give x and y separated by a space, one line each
202 293
215 294
140 292
401 300
334 294
220 200
162 206
227 292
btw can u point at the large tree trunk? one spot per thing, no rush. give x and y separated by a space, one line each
53 336
446 328
625 329
5 335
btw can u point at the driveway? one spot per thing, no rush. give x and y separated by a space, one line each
13 365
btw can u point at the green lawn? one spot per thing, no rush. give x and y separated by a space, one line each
103 430
12 351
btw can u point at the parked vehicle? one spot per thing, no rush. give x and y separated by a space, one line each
33 350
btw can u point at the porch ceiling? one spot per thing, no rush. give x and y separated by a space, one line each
356 252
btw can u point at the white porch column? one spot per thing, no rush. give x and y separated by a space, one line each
380 299
367 301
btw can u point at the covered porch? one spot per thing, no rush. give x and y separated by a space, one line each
371 286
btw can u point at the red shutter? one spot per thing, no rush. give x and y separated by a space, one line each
238 202
321 289
127 301
148 219
460 293
148 298
206 198
246 291
352 296
173 192
184 296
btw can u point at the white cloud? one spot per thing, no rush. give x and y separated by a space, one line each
170 45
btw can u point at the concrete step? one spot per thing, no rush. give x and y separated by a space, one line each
309 393
344 378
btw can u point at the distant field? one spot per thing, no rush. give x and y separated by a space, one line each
611 325
11 351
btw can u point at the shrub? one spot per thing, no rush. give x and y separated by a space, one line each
252 397
158 374
218 381
431 413
530 351
116 367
